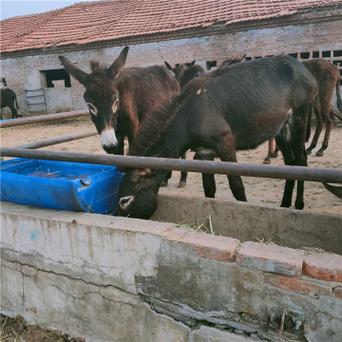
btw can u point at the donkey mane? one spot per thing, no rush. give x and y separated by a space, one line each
155 124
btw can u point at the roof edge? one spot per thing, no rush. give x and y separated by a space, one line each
303 17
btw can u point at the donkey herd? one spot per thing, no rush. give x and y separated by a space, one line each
166 110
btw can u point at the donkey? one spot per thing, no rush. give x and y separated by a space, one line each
230 109
328 79
9 99
213 64
119 98
184 73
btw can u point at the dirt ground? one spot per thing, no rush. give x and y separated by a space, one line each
258 190
17 330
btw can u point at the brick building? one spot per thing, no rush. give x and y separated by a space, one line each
157 30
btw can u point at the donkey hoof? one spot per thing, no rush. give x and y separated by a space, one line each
267 161
181 184
163 183
299 205
320 153
285 204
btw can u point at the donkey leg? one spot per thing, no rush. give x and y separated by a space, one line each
276 150
285 148
319 126
272 151
184 175
225 149
298 147
164 182
13 111
208 180
302 161
267 160
328 127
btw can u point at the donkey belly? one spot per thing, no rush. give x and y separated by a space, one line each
257 131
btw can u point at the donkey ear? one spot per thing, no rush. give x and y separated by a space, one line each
190 64
243 57
168 66
118 64
73 70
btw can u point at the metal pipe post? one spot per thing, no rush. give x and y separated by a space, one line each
213 167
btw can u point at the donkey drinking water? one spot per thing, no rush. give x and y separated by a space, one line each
230 109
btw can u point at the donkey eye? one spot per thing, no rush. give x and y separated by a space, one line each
115 105
92 108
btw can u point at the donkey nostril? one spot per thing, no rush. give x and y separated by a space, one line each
125 202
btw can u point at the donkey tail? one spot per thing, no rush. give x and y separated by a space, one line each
308 126
16 103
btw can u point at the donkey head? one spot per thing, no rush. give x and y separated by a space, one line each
3 82
179 68
138 193
185 72
101 96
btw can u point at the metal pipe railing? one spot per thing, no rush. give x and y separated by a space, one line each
213 167
42 118
57 140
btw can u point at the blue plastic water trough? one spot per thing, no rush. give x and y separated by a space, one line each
61 185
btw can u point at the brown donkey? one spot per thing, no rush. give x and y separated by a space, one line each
328 79
230 109
119 98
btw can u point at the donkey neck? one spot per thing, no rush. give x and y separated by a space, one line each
175 140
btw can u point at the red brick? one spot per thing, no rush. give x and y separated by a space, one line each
323 266
337 292
206 245
271 258
295 284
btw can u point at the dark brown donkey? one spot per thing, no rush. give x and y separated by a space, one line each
118 99
230 109
184 73
8 99
328 79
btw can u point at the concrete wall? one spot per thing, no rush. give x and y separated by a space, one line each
115 279
23 72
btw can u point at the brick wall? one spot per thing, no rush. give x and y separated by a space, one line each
23 72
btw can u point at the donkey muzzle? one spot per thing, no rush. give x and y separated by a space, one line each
108 139
125 202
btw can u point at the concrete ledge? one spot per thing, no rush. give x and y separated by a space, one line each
247 222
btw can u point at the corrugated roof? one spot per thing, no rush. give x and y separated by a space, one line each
90 22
